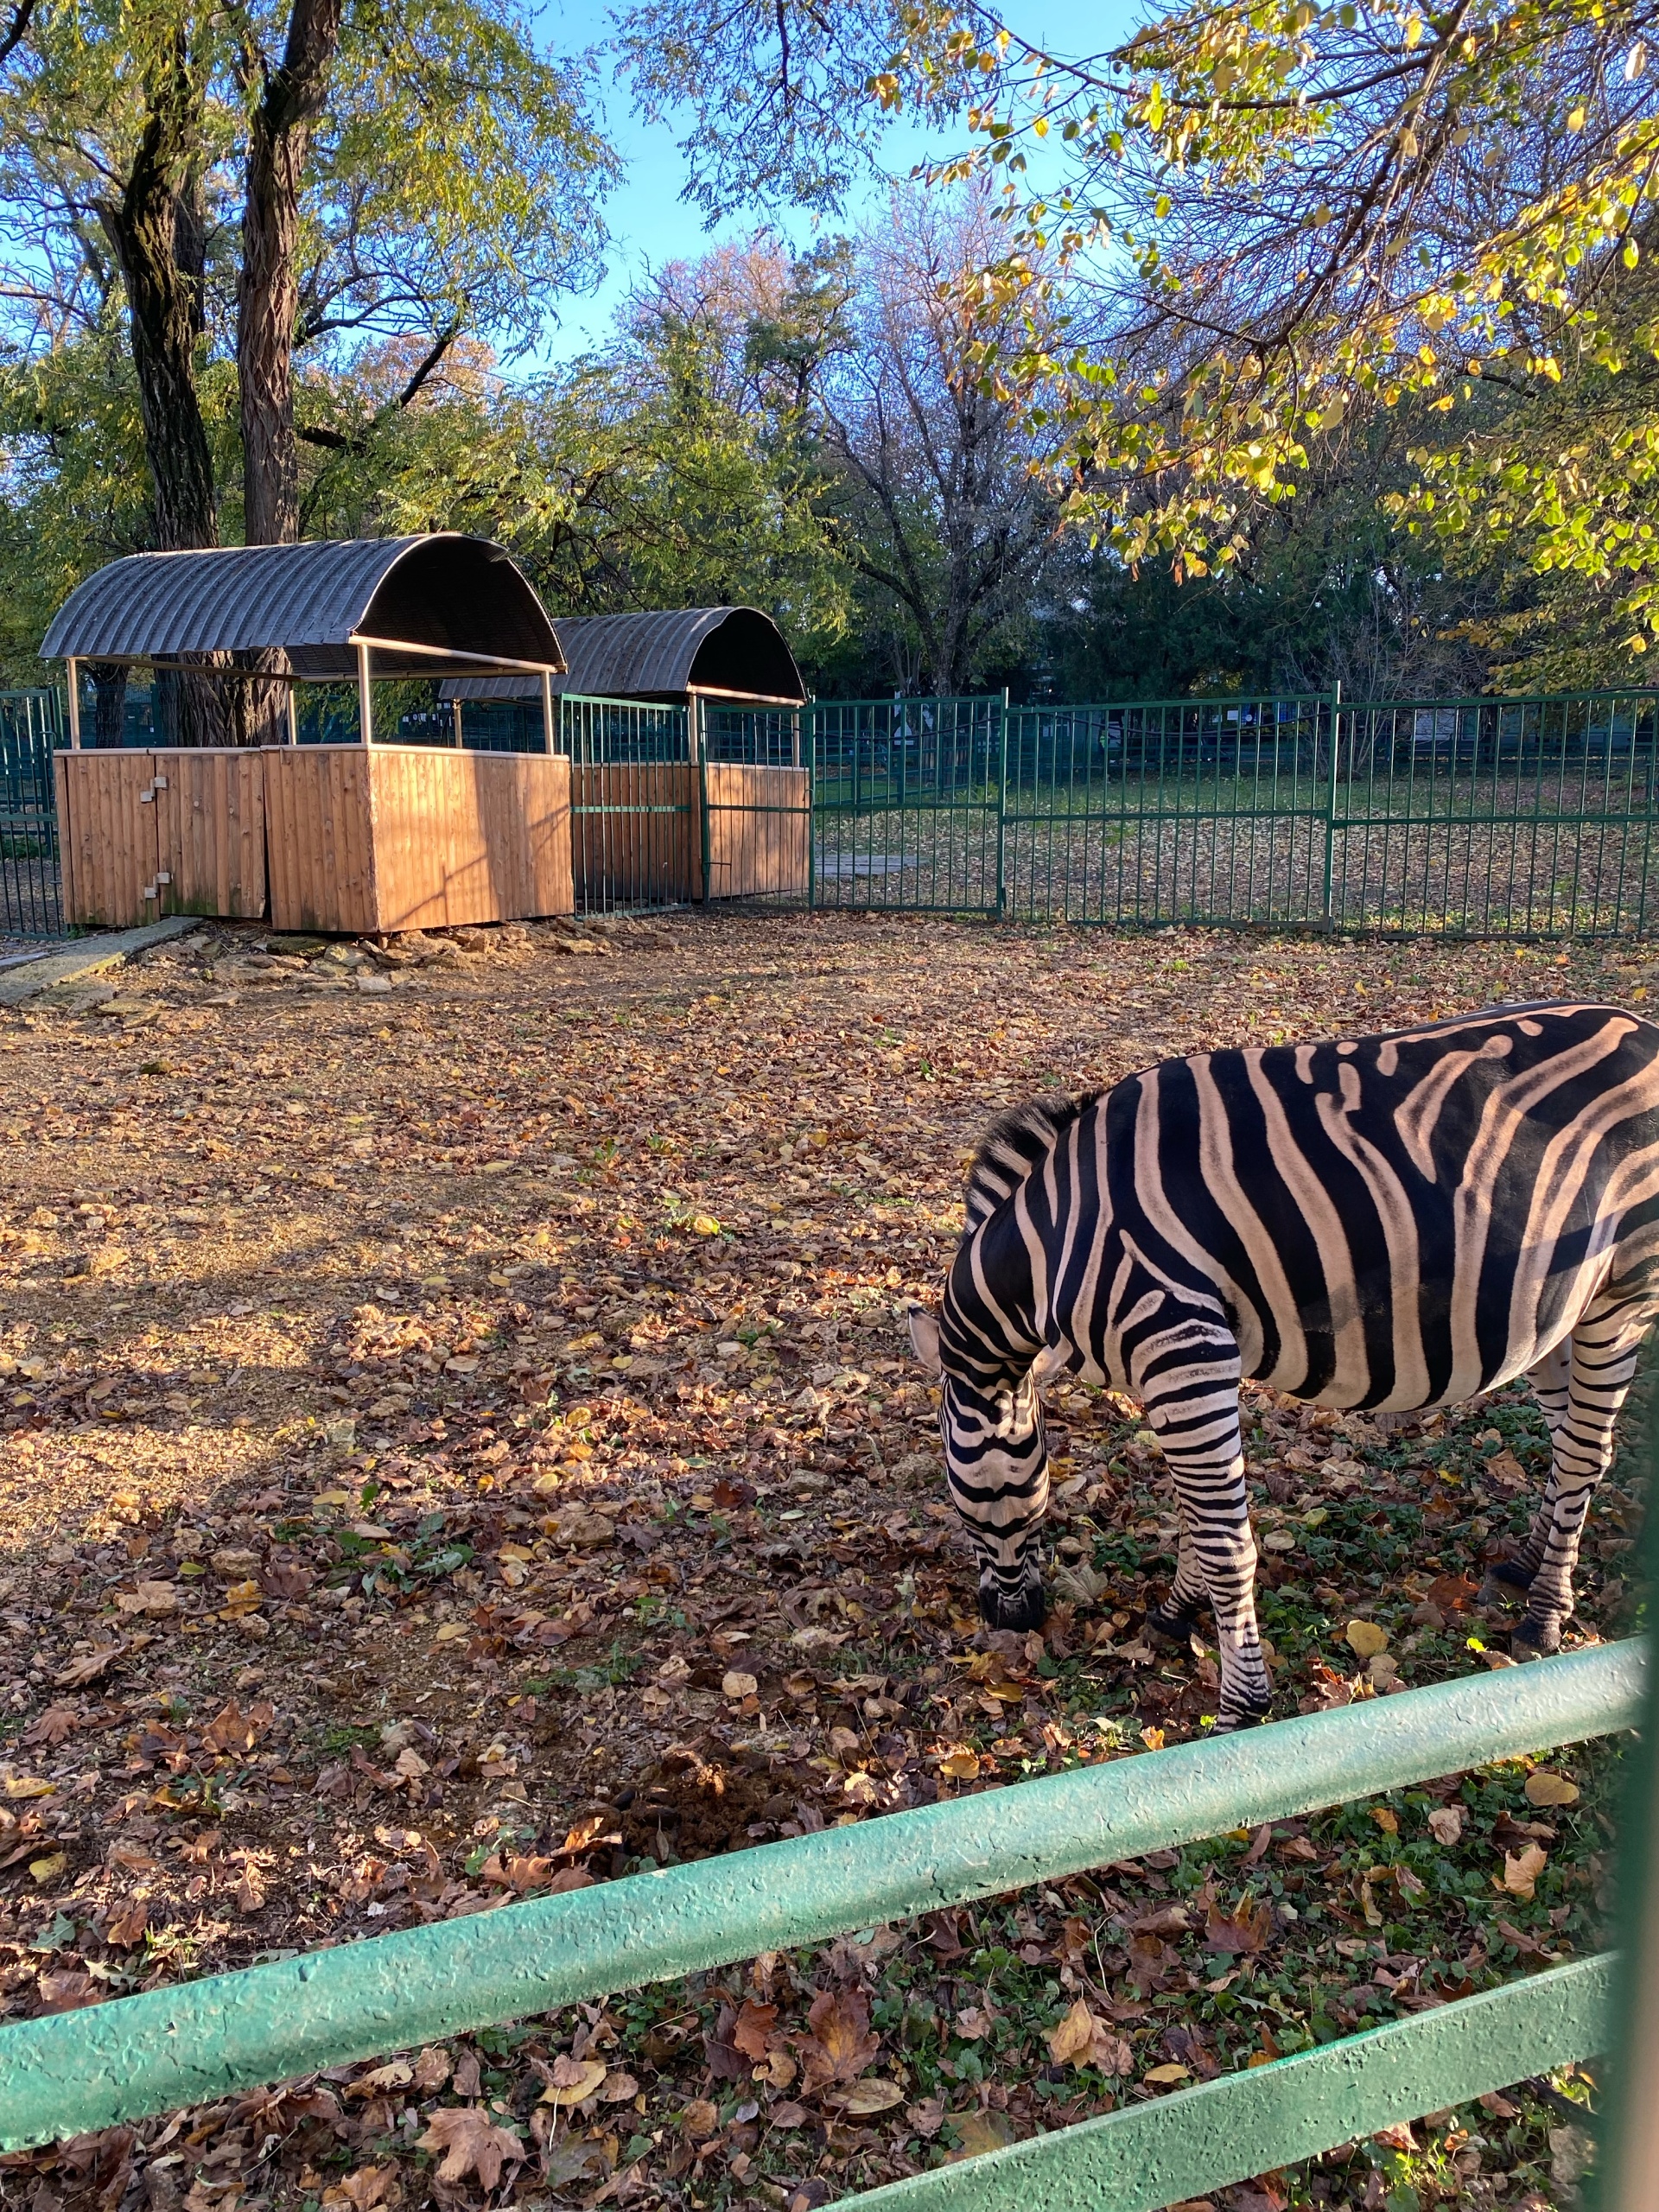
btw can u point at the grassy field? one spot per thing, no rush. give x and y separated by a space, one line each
459 1440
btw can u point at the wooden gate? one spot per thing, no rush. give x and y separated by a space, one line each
759 824
149 834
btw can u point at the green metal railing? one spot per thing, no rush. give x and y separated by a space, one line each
138 2055
30 725
1489 817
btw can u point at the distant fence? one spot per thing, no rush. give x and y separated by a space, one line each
1482 817
30 901
1479 817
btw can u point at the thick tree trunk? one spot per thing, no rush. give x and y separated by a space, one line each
155 231
268 301
109 700
267 286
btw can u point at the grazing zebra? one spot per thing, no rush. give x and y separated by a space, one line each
1391 1222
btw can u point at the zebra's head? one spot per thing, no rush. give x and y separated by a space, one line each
996 1462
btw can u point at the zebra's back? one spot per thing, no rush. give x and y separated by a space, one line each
1394 1220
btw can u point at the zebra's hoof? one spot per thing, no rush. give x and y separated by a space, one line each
1535 1639
1504 1582
1171 1628
1028 1610
1229 1724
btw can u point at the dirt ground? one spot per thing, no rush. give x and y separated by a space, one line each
458 1440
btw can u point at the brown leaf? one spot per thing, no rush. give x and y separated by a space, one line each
574 2080
1522 1869
52 1727
840 2047
1546 1788
1446 1823
88 1667
980 2131
470 2143
753 2024
368 2187
127 1927
1247 1931
232 1729
1082 2039
873 2094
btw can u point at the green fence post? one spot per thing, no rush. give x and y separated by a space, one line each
702 706
1002 806
808 726
1629 2180
1327 908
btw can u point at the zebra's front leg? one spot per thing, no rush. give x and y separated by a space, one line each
1188 1383
1602 1366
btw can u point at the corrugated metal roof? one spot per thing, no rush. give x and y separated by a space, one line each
457 593
661 656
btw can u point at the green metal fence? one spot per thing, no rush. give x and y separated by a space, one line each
30 884
1490 818
150 2053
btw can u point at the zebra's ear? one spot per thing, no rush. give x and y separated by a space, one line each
925 1340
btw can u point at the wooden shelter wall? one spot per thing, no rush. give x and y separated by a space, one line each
319 838
760 829
346 840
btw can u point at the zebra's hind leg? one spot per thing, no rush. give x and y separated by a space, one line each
1186 1376
1508 1581
1601 1367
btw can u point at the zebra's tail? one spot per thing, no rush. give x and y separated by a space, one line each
1011 1147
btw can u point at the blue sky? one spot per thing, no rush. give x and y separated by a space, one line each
649 220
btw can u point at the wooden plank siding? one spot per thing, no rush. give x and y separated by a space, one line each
210 824
318 841
403 837
759 828
108 836
469 836
634 834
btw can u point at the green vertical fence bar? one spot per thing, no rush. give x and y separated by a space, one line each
1002 752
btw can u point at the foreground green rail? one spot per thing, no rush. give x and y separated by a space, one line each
137 2056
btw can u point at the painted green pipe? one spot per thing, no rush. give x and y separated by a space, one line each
199 2040
1251 2122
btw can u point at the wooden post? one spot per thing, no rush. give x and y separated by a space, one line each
74 706
293 715
364 697
547 745
455 715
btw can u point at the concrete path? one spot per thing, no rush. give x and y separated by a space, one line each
86 956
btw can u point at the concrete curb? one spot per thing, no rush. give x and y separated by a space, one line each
88 957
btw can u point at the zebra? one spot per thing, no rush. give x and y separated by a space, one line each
1389 1222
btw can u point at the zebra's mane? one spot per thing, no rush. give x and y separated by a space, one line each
1011 1147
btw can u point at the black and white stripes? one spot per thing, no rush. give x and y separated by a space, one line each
1387 1222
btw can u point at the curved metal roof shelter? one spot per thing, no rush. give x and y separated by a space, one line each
735 652
426 605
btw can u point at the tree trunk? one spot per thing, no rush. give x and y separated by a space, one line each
268 285
109 700
155 232
267 299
